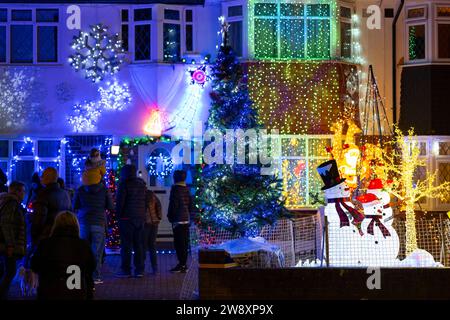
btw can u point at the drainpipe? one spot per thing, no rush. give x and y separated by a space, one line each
394 62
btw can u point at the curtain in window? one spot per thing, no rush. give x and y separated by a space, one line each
235 37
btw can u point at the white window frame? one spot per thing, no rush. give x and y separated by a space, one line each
35 26
237 19
35 157
305 18
192 23
437 21
131 32
181 23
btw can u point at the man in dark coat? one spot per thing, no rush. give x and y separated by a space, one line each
12 234
90 203
180 208
50 201
131 205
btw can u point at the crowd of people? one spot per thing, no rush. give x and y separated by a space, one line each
60 229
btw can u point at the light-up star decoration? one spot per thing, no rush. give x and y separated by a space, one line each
199 76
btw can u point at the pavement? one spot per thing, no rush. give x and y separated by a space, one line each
163 286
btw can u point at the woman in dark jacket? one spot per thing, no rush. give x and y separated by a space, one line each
64 262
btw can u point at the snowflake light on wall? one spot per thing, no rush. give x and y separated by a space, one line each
97 53
85 117
114 97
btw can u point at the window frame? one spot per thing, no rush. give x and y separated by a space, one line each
237 19
35 25
305 17
132 34
181 22
184 30
407 26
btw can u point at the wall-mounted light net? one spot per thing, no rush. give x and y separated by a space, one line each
300 97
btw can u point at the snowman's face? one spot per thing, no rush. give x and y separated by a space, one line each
340 191
373 208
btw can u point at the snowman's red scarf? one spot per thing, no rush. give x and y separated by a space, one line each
358 217
376 221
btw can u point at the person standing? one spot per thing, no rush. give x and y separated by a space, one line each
49 202
61 256
153 218
180 208
131 206
90 203
12 234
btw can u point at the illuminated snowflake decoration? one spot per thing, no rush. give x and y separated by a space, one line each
84 117
20 99
115 96
97 53
199 75
160 166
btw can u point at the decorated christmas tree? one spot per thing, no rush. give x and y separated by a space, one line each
235 197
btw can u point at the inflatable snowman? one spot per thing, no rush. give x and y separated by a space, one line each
376 188
344 221
380 244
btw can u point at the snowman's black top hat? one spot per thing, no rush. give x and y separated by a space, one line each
330 174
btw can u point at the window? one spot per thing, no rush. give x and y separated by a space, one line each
171 14
292 31
189 27
414 13
171 47
416 42
235 30
444 41
235 37
124 32
142 34
33 38
4 148
443 12
345 22
143 14
142 42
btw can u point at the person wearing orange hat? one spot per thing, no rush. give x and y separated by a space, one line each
49 202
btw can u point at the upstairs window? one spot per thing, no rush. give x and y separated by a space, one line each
345 21
124 30
171 36
189 28
443 31
142 34
235 36
416 20
291 31
18 43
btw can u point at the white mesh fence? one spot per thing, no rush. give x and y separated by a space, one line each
304 239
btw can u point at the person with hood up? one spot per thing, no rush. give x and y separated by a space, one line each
131 207
94 168
90 203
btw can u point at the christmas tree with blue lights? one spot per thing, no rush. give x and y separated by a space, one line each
235 197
